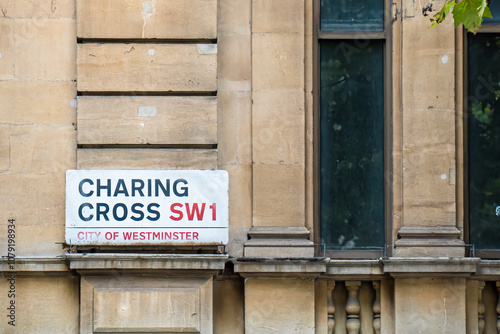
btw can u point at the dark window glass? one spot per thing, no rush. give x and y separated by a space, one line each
348 15
484 140
495 12
351 148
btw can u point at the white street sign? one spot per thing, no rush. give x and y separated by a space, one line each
146 207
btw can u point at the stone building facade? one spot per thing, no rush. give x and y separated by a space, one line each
236 87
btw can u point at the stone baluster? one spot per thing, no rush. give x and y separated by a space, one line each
498 308
331 307
376 307
353 307
480 307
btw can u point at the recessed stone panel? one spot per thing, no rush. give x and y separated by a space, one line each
147 67
147 120
136 309
125 304
172 19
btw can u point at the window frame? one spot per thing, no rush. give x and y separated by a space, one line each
386 35
482 253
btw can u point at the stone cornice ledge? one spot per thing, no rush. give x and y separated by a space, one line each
488 270
429 267
35 264
268 267
176 262
354 269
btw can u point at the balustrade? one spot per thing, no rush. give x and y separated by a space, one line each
354 307
480 308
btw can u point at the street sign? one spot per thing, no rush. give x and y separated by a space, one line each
146 207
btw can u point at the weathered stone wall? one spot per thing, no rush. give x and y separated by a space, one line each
37 120
227 84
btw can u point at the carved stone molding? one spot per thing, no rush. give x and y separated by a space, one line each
280 267
36 265
429 241
154 263
430 267
279 242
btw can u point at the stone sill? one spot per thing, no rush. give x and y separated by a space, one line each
352 269
35 264
429 267
322 268
280 267
108 261
488 270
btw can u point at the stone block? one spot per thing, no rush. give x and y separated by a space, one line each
279 306
41 240
240 206
147 67
234 63
428 66
4 148
147 120
426 128
277 61
37 205
439 88
472 307
321 291
278 125
53 43
235 128
428 196
234 17
146 304
229 307
40 102
43 305
33 199
283 16
240 195
7 53
428 156
38 156
146 159
173 19
42 149
430 306
278 195
54 9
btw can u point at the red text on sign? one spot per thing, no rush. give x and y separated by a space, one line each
193 211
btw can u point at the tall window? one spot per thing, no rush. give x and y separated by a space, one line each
352 50
483 128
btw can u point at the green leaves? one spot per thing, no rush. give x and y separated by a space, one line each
483 116
441 15
470 13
